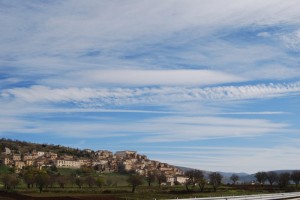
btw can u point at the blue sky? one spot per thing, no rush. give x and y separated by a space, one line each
206 84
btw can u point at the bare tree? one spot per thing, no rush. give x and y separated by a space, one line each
62 181
10 181
193 177
295 176
135 180
90 181
42 180
79 182
234 178
272 177
215 180
29 179
150 178
100 181
202 182
283 179
160 178
261 177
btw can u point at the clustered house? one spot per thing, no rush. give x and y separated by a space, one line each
102 160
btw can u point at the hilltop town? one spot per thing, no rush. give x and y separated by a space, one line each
19 155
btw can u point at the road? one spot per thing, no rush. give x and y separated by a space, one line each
291 195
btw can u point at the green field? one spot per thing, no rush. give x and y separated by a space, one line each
116 185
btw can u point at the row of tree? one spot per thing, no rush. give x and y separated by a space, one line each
41 179
50 177
281 179
196 177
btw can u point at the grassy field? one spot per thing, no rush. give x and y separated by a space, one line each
143 192
116 185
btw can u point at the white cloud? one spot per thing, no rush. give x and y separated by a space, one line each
147 78
292 40
157 129
264 34
228 159
162 95
168 129
58 35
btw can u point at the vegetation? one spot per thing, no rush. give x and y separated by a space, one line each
215 180
194 177
52 181
234 178
295 176
61 182
23 146
135 180
272 177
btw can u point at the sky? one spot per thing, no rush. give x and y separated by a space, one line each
206 84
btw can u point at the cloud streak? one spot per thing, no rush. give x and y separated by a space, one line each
170 72
149 95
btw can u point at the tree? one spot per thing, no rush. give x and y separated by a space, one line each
150 178
193 177
261 177
62 181
295 177
234 178
272 177
90 181
160 177
202 182
42 180
9 181
283 179
29 179
79 182
135 180
187 183
100 181
215 180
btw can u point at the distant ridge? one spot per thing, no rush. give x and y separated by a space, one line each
243 177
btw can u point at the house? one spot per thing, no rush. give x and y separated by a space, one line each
128 165
170 180
7 151
27 157
88 150
19 164
16 157
181 179
125 154
68 157
53 156
102 154
6 161
40 153
85 162
64 163
35 155
29 162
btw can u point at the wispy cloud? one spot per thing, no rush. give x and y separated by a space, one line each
149 95
148 78
163 71
230 159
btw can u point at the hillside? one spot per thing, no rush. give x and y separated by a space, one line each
22 146
20 155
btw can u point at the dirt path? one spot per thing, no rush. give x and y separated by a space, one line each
15 196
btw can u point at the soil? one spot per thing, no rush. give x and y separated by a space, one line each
16 196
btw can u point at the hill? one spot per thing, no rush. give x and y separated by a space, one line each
22 146
20 155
